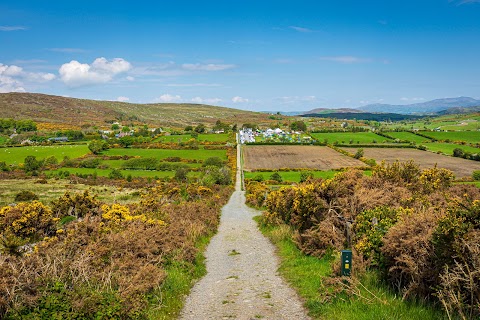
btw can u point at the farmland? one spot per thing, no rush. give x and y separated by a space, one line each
294 176
200 154
466 136
447 148
296 157
350 137
408 136
17 155
460 167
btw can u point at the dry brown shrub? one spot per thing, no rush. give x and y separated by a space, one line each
459 290
409 254
321 238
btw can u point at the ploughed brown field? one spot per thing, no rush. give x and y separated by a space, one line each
425 159
296 157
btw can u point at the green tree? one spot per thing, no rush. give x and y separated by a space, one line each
276 176
200 128
97 146
126 141
31 164
298 126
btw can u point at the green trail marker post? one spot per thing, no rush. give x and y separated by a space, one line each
346 262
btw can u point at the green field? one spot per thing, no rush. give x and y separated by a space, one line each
408 136
200 154
447 148
467 136
213 137
17 155
125 173
290 138
449 122
347 137
294 176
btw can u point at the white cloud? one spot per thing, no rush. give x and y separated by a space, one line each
345 59
461 2
123 99
130 78
76 74
207 100
12 77
207 67
238 99
168 98
301 29
12 28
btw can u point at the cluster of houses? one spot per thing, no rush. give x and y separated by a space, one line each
247 135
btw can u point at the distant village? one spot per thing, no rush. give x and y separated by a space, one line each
248 135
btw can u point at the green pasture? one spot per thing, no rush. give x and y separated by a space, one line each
408 136
467 136
447 148
117 164
200 154
106 172
347 137
294 176
16 155
210 137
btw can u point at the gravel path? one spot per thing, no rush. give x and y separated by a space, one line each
242 280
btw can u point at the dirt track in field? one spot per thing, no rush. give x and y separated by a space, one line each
425 159
296 157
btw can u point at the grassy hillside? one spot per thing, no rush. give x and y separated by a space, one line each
47 108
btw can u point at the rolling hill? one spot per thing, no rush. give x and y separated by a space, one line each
56 109
429 107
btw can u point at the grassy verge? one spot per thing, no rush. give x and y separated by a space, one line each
180 278
374 300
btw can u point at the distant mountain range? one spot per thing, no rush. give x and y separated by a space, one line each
433 107
429 107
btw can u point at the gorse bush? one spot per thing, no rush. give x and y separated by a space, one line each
410 224
111 262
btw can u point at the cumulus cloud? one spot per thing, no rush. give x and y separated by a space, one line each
12 78
207 100
194 85
207 67
345 59
130 78
12 28
238 99
168 98
412 99
123 99
76 74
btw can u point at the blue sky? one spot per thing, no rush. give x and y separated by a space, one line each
251 54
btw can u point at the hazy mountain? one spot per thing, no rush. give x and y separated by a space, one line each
429 107
327 111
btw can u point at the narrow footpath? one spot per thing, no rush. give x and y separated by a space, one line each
242 280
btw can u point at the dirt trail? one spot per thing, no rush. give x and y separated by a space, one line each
242 280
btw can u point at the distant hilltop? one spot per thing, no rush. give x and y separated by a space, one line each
438 106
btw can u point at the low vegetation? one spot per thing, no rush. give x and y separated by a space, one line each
410 227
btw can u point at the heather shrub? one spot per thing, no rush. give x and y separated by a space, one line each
25 196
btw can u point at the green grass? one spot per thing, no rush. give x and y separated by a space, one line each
467 136
180 279
17 155
294 176
408 136
346 137
106 172
211 137
447 148
200 154
306 274
3 139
